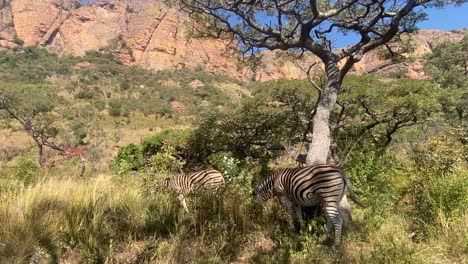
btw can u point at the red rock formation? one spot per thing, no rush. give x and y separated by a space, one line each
35 21
8 37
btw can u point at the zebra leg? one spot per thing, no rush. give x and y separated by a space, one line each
182 202
299 217
329 227
335 218
338 222
287 207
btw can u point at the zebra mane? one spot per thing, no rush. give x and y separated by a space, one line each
267 184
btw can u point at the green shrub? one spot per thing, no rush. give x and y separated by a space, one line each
117 107
175 138
440 182
128 159
26 170
377 177
438 157
125 85
99 104
441 199
85 94
166 161
232 168
78 128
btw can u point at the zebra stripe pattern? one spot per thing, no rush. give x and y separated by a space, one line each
185 184
324 184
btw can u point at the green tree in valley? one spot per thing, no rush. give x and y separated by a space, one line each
307 26
448 63
32 105
371 112
376 110
448 66
276 112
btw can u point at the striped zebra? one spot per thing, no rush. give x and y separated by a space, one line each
324 184
184 184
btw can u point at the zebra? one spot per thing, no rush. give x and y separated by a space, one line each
324 184
184 184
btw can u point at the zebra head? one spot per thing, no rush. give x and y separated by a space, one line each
264 191
262 194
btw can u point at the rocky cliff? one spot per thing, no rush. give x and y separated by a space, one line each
153 35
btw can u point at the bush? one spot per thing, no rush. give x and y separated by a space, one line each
438 157
233 168
85 94
99 104
27 171
440 183
175 138
128 159
165 161
117 107
446 195
8 153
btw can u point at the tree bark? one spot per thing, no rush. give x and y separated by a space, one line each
321 138
40 153
83 165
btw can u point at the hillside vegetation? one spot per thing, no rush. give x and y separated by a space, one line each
403 143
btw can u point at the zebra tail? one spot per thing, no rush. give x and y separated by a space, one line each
350 190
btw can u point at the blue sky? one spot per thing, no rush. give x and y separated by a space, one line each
448 18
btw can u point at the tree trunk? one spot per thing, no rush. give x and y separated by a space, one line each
321 138
40 153
83 165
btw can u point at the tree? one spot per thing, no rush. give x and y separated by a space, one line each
32 106
277 115
306 26
448 66
277 111
377 109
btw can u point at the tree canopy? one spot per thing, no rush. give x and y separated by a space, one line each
306 26
32 106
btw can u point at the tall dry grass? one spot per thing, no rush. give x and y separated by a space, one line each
105 219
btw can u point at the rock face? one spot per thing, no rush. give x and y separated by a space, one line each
153 35
8 36
35 21
143 32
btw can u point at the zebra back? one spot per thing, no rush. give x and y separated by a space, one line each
188 183
312 184
324 181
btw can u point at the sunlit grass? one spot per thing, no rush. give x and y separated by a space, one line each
103 218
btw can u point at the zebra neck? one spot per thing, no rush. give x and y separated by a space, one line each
268 183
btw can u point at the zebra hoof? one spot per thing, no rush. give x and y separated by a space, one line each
336 247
